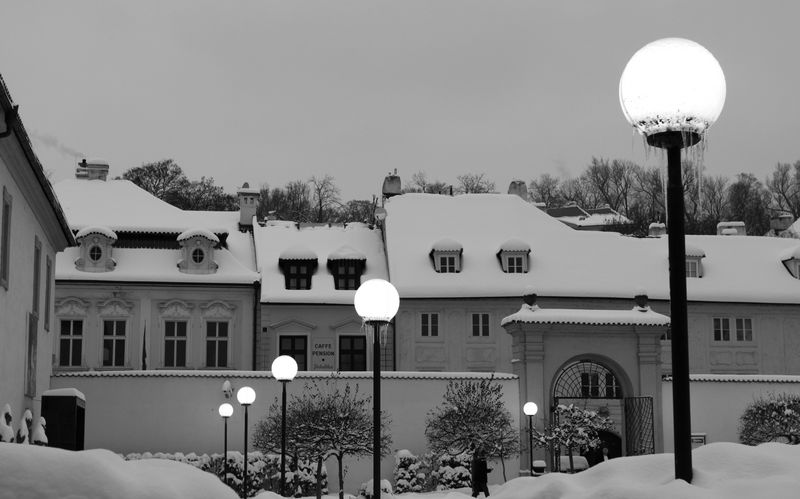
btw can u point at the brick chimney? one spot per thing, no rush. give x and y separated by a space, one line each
519 188
248 204
94 169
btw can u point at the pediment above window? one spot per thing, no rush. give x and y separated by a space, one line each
175 308
72 306
95 249
218 309
115 307
197 251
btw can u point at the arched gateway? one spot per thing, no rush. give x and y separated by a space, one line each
600 360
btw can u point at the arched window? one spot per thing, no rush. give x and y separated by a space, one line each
587 379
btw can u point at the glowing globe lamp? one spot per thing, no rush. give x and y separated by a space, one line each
376 300
246 395
284 368
226 410
530 408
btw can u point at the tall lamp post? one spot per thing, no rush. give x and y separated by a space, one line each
530 409
284 368
376 302
672 90
225 410
245 396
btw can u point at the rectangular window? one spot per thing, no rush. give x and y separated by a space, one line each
447 264
33 347
48 276
216 344
590 385
353 353
347 275
175 343
37 274
480 324
722 329
692 268
5 236
744 329
514 265
298 276
296 347
70 342
429 324
113 343
613 390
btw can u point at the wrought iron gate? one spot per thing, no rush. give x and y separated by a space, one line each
639 434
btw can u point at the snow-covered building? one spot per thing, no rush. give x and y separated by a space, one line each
309 276
603 218
151 286
32 230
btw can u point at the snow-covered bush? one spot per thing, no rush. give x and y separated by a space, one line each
775 417
6 431
574 428
408 474
24 430
453 472
39 434
367 489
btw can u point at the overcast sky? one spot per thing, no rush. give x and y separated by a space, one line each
271 91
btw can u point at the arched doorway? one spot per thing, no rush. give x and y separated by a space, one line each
594 386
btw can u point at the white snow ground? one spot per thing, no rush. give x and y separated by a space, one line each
722 471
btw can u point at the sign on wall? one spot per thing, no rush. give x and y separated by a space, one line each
322 356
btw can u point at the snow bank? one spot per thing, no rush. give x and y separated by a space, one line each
42 472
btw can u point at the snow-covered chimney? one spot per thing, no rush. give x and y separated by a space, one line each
656 229
640 298
529 296
248 204
391 185
739 227
94 169
519 188
781 221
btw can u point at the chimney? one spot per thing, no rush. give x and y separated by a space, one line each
529 296
781 221
248 204
656 229
94 169
738 227
519 188
391 185
640 298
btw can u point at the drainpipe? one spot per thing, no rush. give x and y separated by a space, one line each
256 325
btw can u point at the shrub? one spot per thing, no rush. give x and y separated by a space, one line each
408 474
771 418
453 471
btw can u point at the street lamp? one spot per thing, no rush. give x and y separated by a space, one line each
672 90
284 368
530 409
245 396
225 410
376 302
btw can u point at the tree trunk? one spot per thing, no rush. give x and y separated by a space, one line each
319 477
341 476
571 464
503 464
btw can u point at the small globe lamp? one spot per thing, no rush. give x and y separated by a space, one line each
246 396
225 411
376 302
284 368
530 409
672 91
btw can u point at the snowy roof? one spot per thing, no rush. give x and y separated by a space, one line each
347 253
515 245
694 251
184 373
742 378
566 262
791 253
190 233
154 265
280 240
635 317
298 253
595 219
123 206
64 392
447 244
94 229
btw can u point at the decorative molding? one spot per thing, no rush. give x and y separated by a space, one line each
346 322
115 307
288 322
175 308
72 306
218 309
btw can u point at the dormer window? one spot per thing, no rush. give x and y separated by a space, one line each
197 246
96 243
513 256
346 265
446 255
694 265
298 265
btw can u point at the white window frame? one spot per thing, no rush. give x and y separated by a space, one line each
506 257
216 340
177 341
443 264
484 328
114 339
744 329
71 338
720 326
694 267
428 332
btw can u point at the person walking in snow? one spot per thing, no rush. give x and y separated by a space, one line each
480 473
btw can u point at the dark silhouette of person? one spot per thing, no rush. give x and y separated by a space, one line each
480 474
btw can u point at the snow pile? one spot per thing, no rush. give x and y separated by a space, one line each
31 471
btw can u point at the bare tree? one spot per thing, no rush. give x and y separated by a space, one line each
298 201
474 183
325 198
749 202
160 178
419 183
784 185
547 190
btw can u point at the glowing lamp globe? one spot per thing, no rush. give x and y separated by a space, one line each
226 410
672 85
284 368
246 395
376 300
530 408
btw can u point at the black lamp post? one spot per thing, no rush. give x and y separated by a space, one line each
376 302
671 91
284 368
530 409
245 396
225 410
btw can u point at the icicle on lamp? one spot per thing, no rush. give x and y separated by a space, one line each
376 302
672 91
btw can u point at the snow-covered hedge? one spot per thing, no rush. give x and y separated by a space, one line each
453 472
408 474
26 433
